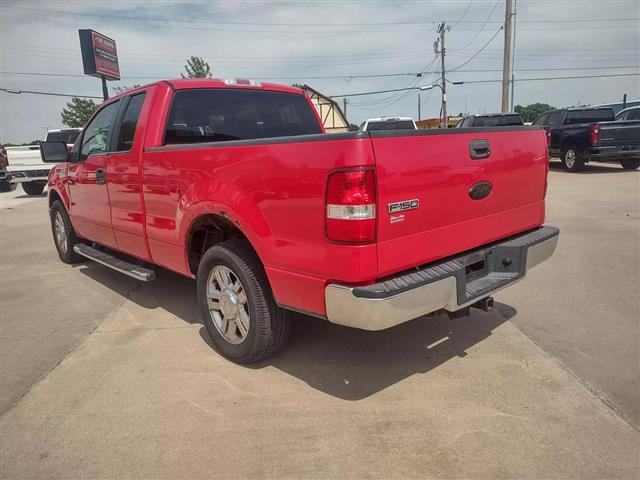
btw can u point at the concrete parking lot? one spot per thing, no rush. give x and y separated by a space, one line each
104 377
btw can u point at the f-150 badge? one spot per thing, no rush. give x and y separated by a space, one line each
396 207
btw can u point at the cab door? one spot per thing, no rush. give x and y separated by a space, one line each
89 209
123 174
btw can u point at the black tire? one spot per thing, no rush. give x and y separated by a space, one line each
67 255
269 325
572 160
6 186
631 164
33 188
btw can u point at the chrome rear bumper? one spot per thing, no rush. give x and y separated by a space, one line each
450 285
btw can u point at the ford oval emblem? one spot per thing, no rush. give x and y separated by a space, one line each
480 190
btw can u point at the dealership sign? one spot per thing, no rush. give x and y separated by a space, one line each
99 55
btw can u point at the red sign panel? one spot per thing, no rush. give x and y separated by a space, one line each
106 56
99 55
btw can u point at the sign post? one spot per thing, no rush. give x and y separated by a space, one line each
99 57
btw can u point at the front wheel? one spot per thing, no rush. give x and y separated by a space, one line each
64 236
237 305
632 164
572 160
33 188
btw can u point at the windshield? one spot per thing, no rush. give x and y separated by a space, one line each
391 125
497 121
66 137
590 116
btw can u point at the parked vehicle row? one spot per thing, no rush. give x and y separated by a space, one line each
237 185
579 135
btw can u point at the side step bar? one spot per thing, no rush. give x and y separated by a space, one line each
135 271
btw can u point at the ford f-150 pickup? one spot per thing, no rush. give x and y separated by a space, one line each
235 184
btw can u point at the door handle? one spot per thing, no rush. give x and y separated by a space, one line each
479 149
100 178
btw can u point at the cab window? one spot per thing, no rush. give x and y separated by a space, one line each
555 118
95 140
541 120
129 123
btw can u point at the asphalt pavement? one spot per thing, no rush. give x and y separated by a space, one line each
104 377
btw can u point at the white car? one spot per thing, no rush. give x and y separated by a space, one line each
25 166
388 123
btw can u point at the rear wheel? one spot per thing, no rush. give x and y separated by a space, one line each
64 236
6 186
572 160
632 164
237 305
33 188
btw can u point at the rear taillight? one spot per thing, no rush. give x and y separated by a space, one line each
4 161
351 206
548 135
595 133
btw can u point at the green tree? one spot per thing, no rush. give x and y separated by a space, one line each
530 112
77 112
124 88
196 67
353 127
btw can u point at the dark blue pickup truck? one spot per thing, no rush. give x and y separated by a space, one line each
580 135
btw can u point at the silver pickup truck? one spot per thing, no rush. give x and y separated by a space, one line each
25 165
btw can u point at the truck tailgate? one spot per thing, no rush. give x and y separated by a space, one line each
436 168
22 156
619 133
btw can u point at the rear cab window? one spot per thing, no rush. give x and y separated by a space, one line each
219 115
555 118
497 121
391 125
589 116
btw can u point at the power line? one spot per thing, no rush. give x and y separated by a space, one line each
490 81
465 13
338 77
478 52
10 90
483 25
191 21
14 91
557 78
318 77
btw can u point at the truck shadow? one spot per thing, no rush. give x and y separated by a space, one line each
589 168
343 362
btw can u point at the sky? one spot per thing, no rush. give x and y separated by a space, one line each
300 41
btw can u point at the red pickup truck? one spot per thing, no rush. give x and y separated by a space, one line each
236 184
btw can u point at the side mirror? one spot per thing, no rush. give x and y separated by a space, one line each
54 152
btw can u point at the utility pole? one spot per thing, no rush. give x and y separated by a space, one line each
419 115
105 90
344 103
513 53
441 30
506 57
